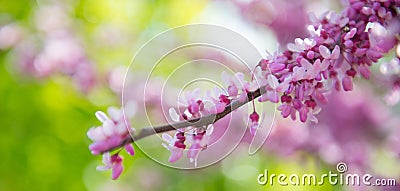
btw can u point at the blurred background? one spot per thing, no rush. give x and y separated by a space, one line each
61 61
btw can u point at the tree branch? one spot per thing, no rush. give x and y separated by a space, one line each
196 122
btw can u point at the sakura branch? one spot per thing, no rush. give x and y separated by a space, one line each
339 48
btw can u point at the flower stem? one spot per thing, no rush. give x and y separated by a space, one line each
196 122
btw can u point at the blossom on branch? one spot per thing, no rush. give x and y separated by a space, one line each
339 48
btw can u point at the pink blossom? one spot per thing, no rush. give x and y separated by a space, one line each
235 83
199 141
174 145
114 162
111 133
218 101
61 52
258 81
312 63
327 54
347 83
338 49
253 123
10 35
301 45
383 38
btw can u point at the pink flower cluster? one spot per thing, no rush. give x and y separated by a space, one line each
60 50
340 46
110 134
195 138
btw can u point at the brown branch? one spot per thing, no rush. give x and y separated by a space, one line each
196 122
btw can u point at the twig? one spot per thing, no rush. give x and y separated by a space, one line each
196 122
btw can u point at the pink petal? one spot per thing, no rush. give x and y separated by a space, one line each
193 151
243 97
220 107
293 47
382 12
347 83
108 127
303 114
360 52
325 64
98 147
299 42
103 168
106 159
335 53
374 55
172 113
117 170
348 43
298 73
312 118
271 96
366 10
297 103
101 116
350 34
232 90
286 110
317 66
114 141
253 128
324 51
225 77
272 81
96 134
167 138
129 149
114 113
276 67
284 85
176 154
365 72
306 64
381 37
337 85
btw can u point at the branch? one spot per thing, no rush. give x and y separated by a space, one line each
196 122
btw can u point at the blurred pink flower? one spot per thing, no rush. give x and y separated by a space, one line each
56 49
10 35
286 18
